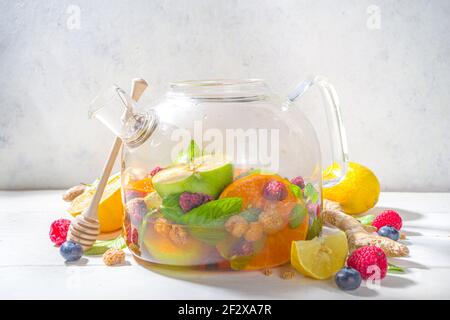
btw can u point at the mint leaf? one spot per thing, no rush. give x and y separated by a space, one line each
311 193
190 153
251 214
208 234
315 228
297 216
296 190
394 269
366 220
206 222
170 208
212 212
101 246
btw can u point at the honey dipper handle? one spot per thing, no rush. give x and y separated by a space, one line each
92 212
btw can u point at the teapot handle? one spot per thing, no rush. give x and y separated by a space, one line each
338 138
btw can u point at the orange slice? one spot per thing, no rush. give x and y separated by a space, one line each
277 247
144 185
110 209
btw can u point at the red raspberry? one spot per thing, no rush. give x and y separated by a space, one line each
388 218
189 201
155 171
275 190
299 182
132 235
58 231
365 259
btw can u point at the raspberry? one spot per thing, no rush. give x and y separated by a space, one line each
136 208
365 259
236 226
133 194
388 218
189 201
299 182
132 235
271 221
58 231
155 171
275 190
242 248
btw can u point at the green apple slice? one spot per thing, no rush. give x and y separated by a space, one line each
208 174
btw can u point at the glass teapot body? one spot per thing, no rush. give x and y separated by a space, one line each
229 176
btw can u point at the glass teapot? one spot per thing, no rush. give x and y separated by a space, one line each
222 173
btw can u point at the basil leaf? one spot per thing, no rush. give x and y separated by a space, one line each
101 246
311 193
366 220
170 208
394 269
296 190
212 212
206 222
297 216
208 234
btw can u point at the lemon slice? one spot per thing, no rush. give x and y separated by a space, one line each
110 209
320 258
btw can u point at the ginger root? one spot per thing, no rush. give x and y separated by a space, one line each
359 235
74 192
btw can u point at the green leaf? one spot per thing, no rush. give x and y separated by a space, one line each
143 226
206 223
296 190
190 153
394 269
297 216
101 246
212 212
315 228
311 193
170 208
366 220
251 214
208 234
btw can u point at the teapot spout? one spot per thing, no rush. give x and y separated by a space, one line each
116 110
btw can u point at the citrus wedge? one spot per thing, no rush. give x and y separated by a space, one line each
110 209
320 258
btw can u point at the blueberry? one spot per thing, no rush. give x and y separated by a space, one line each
71 251
389 232
348 279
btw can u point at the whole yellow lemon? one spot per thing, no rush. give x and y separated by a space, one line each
357 192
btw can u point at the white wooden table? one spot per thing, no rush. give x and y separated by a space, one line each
31 268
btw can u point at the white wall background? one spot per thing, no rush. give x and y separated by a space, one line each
394 82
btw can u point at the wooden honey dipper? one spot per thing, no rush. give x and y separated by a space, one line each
85 229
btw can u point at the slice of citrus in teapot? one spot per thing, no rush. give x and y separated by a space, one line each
208 174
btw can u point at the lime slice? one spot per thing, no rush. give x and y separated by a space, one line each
320 258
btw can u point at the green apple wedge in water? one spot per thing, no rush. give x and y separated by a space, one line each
208 174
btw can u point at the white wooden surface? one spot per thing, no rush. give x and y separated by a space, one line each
30 267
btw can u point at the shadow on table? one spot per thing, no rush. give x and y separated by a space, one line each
406 215
256 284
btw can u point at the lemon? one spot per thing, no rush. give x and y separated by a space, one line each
357 192
110 209
320 258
